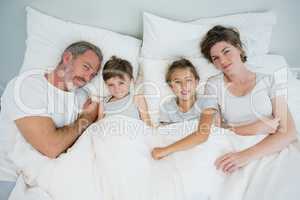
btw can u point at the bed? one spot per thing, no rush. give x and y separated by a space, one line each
39 36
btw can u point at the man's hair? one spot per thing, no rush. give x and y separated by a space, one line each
117 67
80 47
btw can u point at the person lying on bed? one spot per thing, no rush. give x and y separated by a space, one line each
183 80
44 106
117 74
250 103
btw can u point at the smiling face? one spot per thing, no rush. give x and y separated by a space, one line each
183 84
118 86
80 70
226 57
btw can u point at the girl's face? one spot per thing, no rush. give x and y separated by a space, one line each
226 57
118 87
183 84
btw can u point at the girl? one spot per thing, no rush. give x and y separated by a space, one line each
117 74
183 79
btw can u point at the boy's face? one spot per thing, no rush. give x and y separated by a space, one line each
183 84
118 87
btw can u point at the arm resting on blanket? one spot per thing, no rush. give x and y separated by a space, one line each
285 134
195 138
51 141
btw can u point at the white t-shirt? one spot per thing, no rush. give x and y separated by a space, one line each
257 103
125 106
170 112
32 95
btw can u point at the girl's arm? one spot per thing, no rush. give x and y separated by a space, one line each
143 109
101 111
218 119
263 126
197 137
272 143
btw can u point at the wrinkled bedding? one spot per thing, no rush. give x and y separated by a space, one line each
112 160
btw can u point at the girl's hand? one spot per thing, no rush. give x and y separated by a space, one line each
159 152
233 161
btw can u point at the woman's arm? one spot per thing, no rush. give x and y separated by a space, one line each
285 134
263 126
272 143
143 109
197 137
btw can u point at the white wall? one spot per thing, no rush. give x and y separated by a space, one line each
125 16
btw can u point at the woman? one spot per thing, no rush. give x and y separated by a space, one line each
251 104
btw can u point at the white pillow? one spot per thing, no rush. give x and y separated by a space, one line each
270 64
164 38
48 36
156 90
255 29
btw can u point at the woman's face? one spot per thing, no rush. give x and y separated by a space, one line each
226 57
118 87
183 84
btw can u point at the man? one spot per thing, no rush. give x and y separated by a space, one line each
44 107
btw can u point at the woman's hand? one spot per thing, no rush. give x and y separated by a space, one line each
159 152
271 125
233 161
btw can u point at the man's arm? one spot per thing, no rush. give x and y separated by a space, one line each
43 135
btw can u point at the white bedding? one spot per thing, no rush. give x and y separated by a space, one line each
112 161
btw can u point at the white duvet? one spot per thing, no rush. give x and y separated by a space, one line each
112 161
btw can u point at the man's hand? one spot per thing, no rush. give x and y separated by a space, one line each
90 110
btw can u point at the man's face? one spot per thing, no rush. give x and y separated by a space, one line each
80 70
